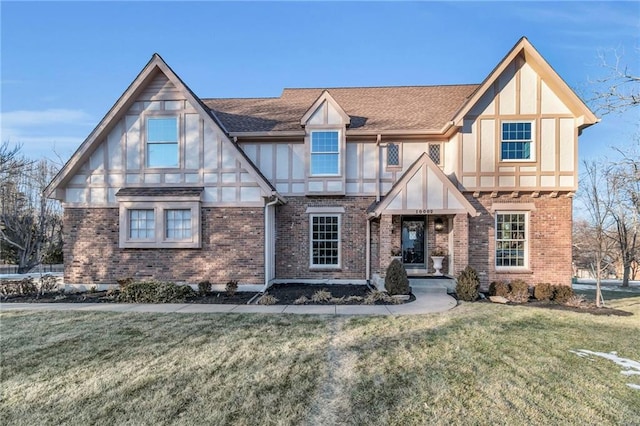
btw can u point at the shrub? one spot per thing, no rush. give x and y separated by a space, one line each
48 284
374 296
499 288
123 282
575 301
204 287
231 287
396 280
24 286
301 300
543 291
267 299
321 296
518 291
468 284
154 292
562 293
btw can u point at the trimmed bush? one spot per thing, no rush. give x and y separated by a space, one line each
499 288
24 287
518 292
562 293
468 284
396 280
154 292
231 287
204 287
123 282
543 291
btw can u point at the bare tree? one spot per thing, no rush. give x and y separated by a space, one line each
623 179
598 206
29 222
619 89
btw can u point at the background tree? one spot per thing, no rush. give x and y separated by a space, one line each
30 225
618 89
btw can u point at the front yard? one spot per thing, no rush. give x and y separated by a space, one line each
476 364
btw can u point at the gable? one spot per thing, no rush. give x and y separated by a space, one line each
325 111
524 83
423 189
115 155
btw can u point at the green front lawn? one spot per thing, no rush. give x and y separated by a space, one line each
476 364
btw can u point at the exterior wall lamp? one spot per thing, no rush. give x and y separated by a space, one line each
438 224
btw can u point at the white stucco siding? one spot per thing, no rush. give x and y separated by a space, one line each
206 157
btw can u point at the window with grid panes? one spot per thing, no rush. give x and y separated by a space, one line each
142 225
325 240
393 155
511 239
434 152
516 141
325 153
178 224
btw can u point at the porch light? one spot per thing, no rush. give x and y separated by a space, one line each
438 224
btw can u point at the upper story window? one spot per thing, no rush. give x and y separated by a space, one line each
162 142
393 155
325 153
435 153
517 141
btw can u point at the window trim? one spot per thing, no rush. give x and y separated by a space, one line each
527 224
147 142
338 152
532 146
160 240
393 166
316 267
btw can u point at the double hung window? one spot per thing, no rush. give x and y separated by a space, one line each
325 153
325 241
517 141
511 240
162 142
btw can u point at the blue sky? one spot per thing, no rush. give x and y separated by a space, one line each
64 64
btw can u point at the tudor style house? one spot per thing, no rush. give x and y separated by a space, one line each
322 184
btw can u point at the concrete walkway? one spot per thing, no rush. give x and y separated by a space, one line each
426 302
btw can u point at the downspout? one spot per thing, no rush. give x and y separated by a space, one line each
267 244
368 252
378 168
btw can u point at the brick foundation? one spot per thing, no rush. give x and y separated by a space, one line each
232 248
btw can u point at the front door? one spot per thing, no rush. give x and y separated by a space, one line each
413 242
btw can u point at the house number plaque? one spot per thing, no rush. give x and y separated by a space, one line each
428 211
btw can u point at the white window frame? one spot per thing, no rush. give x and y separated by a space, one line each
311 241
147 142
527 224
441 154
393 166
160 239
532 146
338 152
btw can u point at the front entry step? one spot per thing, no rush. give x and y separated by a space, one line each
433 285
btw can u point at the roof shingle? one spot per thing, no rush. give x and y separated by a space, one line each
370 108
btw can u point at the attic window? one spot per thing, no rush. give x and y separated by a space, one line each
162 142
434 153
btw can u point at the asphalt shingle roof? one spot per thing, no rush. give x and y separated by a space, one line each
370 108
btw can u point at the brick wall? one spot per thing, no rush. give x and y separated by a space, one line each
292 238
232 248
549 239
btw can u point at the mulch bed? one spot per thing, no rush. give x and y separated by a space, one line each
285 293
585 308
